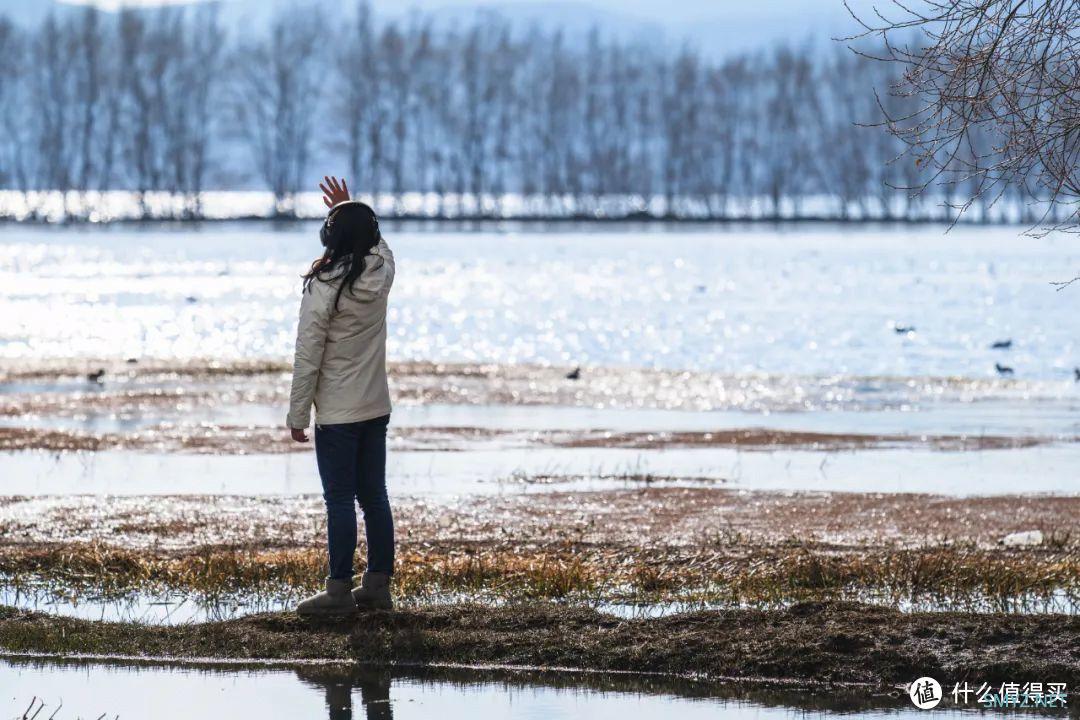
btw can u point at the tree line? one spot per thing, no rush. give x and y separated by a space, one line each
170 101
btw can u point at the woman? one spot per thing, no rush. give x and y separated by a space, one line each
340 366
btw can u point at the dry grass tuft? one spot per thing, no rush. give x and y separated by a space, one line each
766 577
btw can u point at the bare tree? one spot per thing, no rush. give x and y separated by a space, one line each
150 104
23 165
276 103
52 106
197 90
153 101
998 90
10 49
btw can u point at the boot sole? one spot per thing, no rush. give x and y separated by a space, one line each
374 606
344 612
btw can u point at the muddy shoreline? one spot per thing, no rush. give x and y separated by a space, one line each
705 517
692 547
777 583
809 644
198 407
209 439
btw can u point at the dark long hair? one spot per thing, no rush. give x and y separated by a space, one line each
349 233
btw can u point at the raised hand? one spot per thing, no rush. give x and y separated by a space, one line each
334 193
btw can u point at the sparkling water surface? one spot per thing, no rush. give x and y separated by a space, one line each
812 300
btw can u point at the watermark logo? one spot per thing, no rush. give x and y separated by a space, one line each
1013 695
925 693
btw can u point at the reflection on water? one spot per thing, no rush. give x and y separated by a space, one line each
339 692
151 608
341 685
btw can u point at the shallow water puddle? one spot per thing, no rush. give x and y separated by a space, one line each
146 608
163 692
1059 602
1045 469
1013 418
178 609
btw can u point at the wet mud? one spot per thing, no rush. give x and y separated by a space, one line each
214 439
651 515
810 644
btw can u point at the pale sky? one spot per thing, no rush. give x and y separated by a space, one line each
114 5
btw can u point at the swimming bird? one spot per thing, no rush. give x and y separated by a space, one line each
903 329
574 374
1077 372
1001 345
1002 369
97 376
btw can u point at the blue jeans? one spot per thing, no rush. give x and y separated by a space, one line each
352 465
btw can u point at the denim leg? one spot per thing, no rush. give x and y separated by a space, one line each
371 493
336 455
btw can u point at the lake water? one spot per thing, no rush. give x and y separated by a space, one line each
817 308
814 306
820 300
164 692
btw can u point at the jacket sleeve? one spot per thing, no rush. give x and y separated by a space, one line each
388 257
310 343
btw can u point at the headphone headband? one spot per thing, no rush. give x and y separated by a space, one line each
336 205
328 223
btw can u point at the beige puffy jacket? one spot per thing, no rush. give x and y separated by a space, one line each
340 362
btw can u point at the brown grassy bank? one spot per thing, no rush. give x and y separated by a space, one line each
812 643
762 577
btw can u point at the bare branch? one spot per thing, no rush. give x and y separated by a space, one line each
999 88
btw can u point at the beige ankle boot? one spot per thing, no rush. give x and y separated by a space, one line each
336 599
374 592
